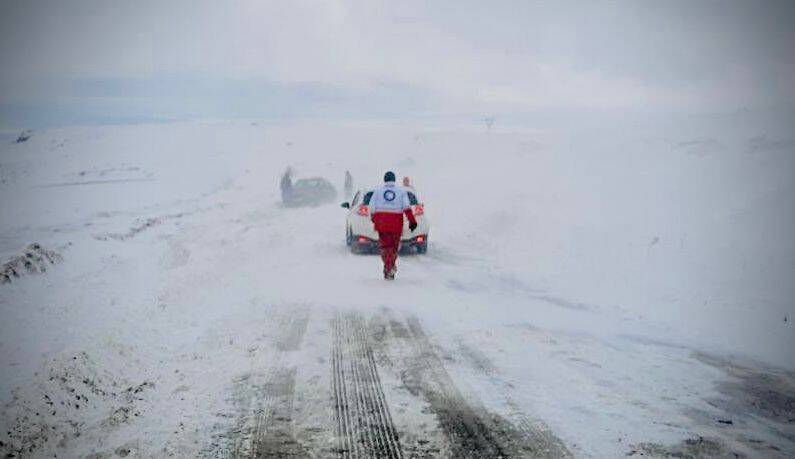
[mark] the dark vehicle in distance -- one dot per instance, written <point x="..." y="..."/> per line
<point x="306" y="192"/>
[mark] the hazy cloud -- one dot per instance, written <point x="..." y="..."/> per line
<point x="446" y="57"/>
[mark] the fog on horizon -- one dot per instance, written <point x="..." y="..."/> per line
<point x="96" y="62"/>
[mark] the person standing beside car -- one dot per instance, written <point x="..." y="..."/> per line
<point x="348" y="185"/>
<point x="286" y="185"/>
<point x="387" y="207"/>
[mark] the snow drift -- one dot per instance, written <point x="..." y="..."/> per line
<point x="589" y="266"/>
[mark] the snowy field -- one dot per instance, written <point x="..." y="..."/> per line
<point x="588" y="291"/>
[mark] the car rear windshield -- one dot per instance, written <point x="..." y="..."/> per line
<point x="412" y="198"/>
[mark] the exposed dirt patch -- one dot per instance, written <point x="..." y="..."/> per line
<point x="24" y="136"/>
<point x="763" y="392"/>
<point x="756" y="406"/>
<point x="142" y="225"/>
<point x="692" y="448"/>
<point x="70" y="397"/>
<point x="94" y="182"/>
<point x="34" y="260"/>
<point x="753" y="415"/>
<point x="136" y="229"/>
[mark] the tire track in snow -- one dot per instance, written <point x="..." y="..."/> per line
<point x="364" y="423"/>
<point x="291" y="330"/>
<point x="265" y="400"/>
<point x="273" y="436"/>
<point x="265" y="430"/>
<point x="470" y="430"/>
<point x="536" y="433"/>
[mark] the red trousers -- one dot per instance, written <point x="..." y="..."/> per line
<point x="389" y="243"/>
<point x="389" y="227"/>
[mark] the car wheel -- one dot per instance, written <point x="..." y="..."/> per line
<point x="348" y="237"/>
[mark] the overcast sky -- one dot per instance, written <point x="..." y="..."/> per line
<point x="100" y="59"/>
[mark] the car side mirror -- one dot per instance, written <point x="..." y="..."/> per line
<point x="345" y="205"/>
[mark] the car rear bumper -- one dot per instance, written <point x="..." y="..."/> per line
<point x="420" y="240"/>
<point x="366" y="244"/>
<point x="362" y="226"/>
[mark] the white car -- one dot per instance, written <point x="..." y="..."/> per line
<point x="360" y="234"/>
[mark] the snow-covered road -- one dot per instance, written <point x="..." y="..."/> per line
<point x="577" y="298"/>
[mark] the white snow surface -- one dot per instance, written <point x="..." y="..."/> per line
<point x="591" y="266"/>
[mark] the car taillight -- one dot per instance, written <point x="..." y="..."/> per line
<point x="362" y="210"/>
<point x="419" y="209"/>
<point x="420" y="238"/>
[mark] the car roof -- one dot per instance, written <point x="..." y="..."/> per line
<point x="312" y="179"/>
<point x="370" y="190"/>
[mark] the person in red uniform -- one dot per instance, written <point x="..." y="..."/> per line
<point x="387" y="207"/>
